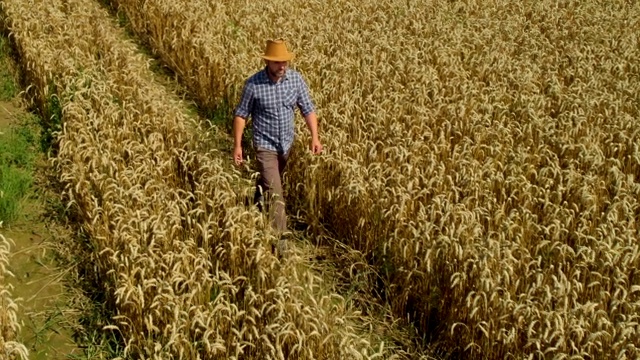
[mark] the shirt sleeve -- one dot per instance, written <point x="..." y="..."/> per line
<point x="246" y="102"/>
<point x="304" y="102"/>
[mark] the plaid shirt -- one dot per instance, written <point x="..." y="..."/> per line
<point x="272" y="105"/>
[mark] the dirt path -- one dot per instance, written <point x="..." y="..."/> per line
<point x="45" y="312"/>
<point x="39" y="259"/>
<point x="8" y="112"/>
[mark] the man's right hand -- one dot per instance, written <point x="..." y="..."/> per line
<point x="237" y="155"/>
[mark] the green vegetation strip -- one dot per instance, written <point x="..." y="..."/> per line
<point x="17" y="156"/>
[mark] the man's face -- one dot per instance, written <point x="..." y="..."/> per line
<point x="277" y="68"/>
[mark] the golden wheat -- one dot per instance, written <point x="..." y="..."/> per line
<point x="485" y="152"/>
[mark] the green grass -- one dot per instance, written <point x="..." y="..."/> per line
<point x="8" y="88"/>
<point x="51" y="124"/>
<point x="17" y="151"/>
<point x="17" y="161"/>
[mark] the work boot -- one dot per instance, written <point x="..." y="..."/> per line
<point x="258" y="200"/>
<point x="282" y="248"/>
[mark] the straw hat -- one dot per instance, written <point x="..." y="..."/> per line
<point x="276" y="50"/>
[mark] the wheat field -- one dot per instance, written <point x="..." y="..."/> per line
<point x="482" y="155"/>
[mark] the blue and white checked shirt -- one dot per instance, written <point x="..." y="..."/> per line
<point x="272" y="105"/>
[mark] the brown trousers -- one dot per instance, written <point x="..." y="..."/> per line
<point x="269" y="186"/>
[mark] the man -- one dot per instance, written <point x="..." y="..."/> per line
<point x="270" y="97"/>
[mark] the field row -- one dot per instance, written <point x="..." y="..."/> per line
<point x="185" y="266"/>
<point x="483" y="155"/>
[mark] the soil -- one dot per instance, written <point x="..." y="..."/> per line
<point x="8" y="112"/>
